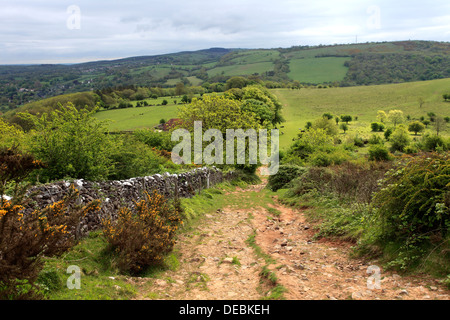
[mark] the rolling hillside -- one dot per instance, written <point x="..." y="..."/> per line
<point x="301" y="106"/>
<point x="340" y="65"/>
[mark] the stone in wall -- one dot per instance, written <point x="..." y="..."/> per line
<point x="120" y="193"/>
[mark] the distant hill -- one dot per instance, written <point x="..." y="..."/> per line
<point x="340" y="65"/>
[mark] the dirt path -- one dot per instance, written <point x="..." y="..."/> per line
<point x="217" y="262"/>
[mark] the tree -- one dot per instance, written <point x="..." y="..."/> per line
<point x="260" y="93"/>
<point x="346" y="118"/>
<point x="416" y="127"/>
<point x="421" y="102"/>
<point x="236" y="82"/>
<point x="381" y="116"/>
<point x="328" y="115"/>
<point x="185" y="99"/>
<point x="260" y="109"/>
<point x="439" y="124"/>
<point x="72" y="143"/>
<point x="180" y="89"/>
<point x="396" y="117"/>
<point x="344" y="127"/>
<point x="216" y="112"/>
<point x="375" y="126"/>
<point x="432" y="116"/>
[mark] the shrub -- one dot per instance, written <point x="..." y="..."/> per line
<point x="133" y="158"/>
<point x="412" y="149"/>
<point x="143" y="234"/>
<point x="399" y="139"/>
<point x="26" y="236"/>
<point x="375" y="139"/>
<point x="309" y="142"/>
<point x="414" y="200"/>
<point x="358" y="141"/>
<point x="328" y="125"/>
<point x="387" y="134"/>
<point x="72" y="143"/>
<point x="433" y="143"/>
<point x="314" y="179"/>
<point x="357" y="181"/>
<point x="378" y="152"/>
<point x="286" y="173"/>
<point x="377" y="127"/>
<point x="154" y="139"/>
<point x="325" y="159"/>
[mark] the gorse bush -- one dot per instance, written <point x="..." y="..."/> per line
<point x="27" y="236"/>
<point x="142" y="235"/>
<point x="415" y="197"/>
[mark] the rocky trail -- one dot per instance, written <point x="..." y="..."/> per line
<point x="225" y="256"/>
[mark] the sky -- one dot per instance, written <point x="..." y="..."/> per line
<point x="72" y="31"/>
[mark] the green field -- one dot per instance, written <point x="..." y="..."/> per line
<point x="137" y="118"/>
<point x="315" y="70"/>
<point x="238" y="70"/>
<point x="301" y="106"/>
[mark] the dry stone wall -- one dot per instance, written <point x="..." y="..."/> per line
<point x="117" y="194"/>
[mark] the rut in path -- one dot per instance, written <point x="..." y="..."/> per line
<point x="218" y="263"/>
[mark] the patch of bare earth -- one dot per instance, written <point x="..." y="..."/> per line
<point x="216" y="263"/>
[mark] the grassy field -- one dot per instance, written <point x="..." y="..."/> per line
<point x="301" y="106"/>
<point x="137" y="118"/>
<point x="237" y="70"/>
<point x="318" y="70"/>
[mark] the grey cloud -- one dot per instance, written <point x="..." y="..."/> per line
<point x="31" y="31"/>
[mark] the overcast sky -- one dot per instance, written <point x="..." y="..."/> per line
<point x="60" y="31"/>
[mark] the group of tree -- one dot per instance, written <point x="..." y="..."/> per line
<point x="377" y="68"/>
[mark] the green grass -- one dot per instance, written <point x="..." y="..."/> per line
<point x="301" y="106"/>
<point x="318" y="70"/>
<point x="245" y="69"/>
<point x="99" y="278"/>
<point x="130" y="119"/>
